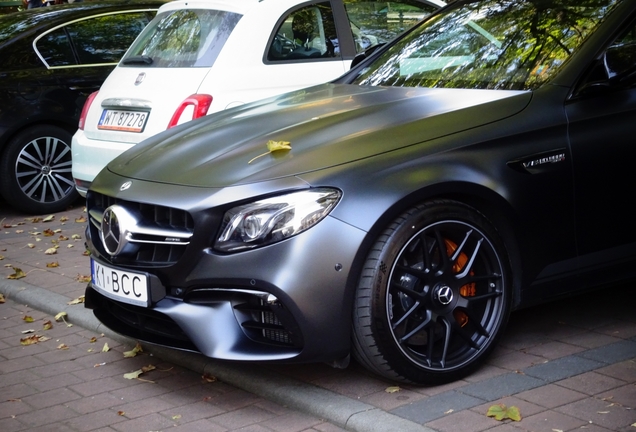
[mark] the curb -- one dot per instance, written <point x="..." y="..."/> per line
<point x="322" y="403"/>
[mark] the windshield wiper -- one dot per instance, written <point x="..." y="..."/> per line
<point x="142" y="59"/>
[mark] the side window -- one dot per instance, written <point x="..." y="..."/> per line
<point x="374" y="22"/>
<point x="55" y="49"/>
<point x="105" y="39"/>
<point x="97" y="40"/>
<point x="307" y="33"/>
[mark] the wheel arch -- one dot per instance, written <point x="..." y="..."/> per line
<point x="16" y="129"/>
<point x="487" y="201"/>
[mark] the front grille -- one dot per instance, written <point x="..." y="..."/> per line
<point x="151" y="251"/>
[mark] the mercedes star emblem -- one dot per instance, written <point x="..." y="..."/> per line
<point x="116" y="225"/>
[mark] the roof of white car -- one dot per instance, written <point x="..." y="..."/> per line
<point x="242" y="6"/>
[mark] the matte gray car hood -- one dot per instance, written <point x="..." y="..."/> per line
<point x="326" y="125"/>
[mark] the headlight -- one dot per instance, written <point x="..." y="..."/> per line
<point x="274" y="219"/>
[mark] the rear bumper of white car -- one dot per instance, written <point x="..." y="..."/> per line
<point x="90" y="156"/>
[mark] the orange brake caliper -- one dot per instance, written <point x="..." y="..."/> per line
<point x="468" y="290"/>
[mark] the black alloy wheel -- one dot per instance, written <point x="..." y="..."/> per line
<point x="434" y="295"/>
<point x="36" y="170"/>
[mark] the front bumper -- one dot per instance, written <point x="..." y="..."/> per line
<point x="290" y="301"/>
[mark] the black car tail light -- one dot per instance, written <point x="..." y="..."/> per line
<point x="87" y="106"/>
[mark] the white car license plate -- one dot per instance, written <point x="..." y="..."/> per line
<point x="125" y="286"/>
<point x="123" y="120"/>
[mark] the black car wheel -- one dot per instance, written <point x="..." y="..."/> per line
<point x="36" y="170"/>
<point x="434" y="295"/>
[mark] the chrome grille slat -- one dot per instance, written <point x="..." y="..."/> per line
<point x="162" y="236"/>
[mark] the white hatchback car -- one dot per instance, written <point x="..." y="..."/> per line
<point x="198" y="57"/>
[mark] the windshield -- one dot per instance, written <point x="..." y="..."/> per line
<point x="492" y="44"/>
<point x="182" y="38"/>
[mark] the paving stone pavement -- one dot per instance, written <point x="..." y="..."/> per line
<point x="568" y="365"/>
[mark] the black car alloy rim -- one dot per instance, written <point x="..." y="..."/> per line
<point x="445" y="299"/>
<point x="43" y="169"/>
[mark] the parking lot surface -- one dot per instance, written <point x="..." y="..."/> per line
<point x="568" y="365"/>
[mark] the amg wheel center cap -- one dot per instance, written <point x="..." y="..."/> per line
<point x="46" y="170"/>
<point x="443" y="294"/>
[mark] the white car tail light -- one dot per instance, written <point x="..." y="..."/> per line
<point x="87" y="105"/>
<point x="199" y="103"/>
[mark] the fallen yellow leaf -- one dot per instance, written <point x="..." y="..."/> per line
<point x="78" y="300"/>
<point x="30" y="340"/>
<point x="133" y="352"/>
<point x="28" y="318"/>
<point x="18" y="273"/>
<point x="392" y="389"/>
<point x="135" y="374"/>
<point x="62" y="347"/>
<point x="502" y="412"/>
<point x="49" y="218"/>
<point x="2" y="300"/>
<point x="51" y="251"/>
<point x="53" y="264"/>
<point x="208" y="378"/>
<point x="62" y="316"/>
<point x="106" y="348"/>
<point x="273" y="146"/>
<point x="48" y="325"/>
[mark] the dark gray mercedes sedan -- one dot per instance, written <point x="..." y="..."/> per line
<point x="479" y="163"/>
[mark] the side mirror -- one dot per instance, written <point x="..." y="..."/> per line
<point x="620" y="62"/>
<point x="616" y="68"/>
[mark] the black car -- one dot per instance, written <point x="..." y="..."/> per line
<point x="478" y="164"/>
<point x="51" y="59"/>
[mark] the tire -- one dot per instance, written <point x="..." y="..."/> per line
<point x="35" y="170"/>
<point x="434" y="295"/>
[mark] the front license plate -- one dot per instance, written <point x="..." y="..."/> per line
<point x="123" y="120"/>
<point x="125" y="286"/>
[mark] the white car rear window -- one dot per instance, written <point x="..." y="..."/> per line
<point x="182" y="38"/>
